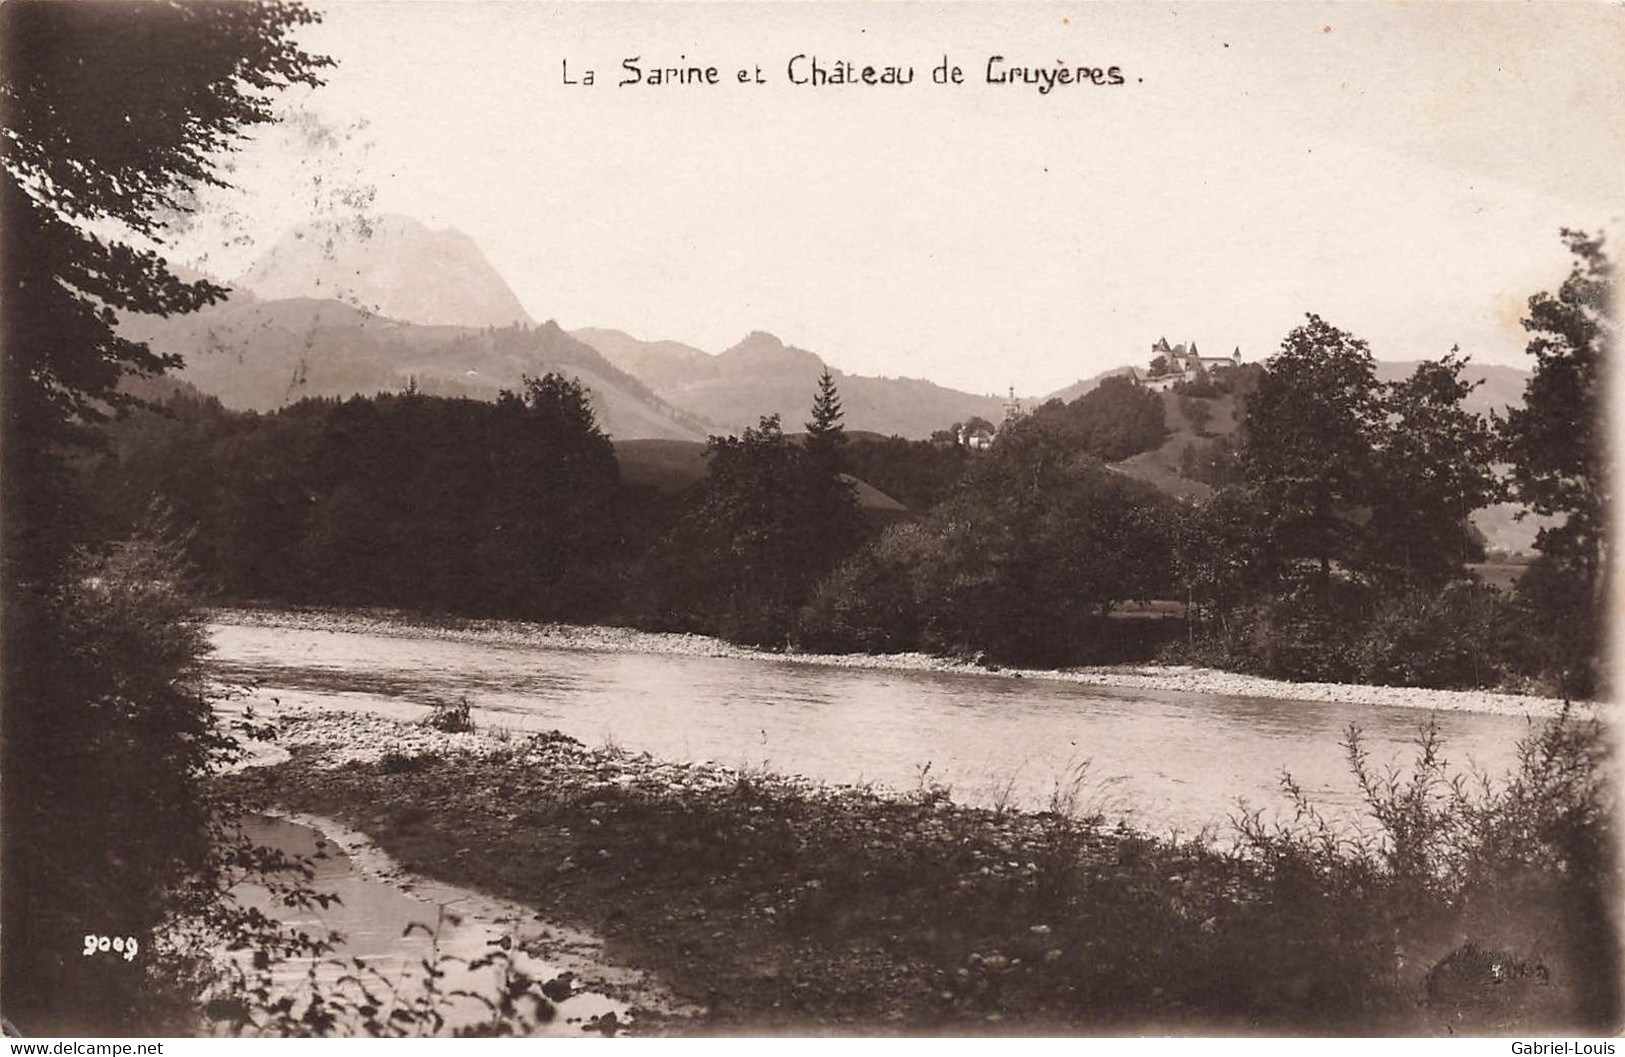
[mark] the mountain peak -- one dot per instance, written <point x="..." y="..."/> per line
<point x="761" y="350"/>
<point x="760" y="339"/>
<point x="391" y="264"/>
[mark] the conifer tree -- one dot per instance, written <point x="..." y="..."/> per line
<point x="826" y="435"/>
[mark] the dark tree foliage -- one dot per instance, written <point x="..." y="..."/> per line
<point x="1024" y="562"/>
<point x="1112" y="421"/>
<point x="552" y="521"/>
<point x="509" y="509"/>
<point x="1556" y="444"/>
<point x="826" y="436"/>
<point x="1220" y="556"/>
<point x="1555" y="440"/>
<point x="974" y="424"/>
<point x="917" y="473"/>
<point x="1432" y="471"/>
<point x="113" y="112"/>
<point x="1311" y="432"/>
<point x="741" y="561"/>
<point x="1063" y="541"/>
<point x="1376" y="484"/>
<point x="832" y="499"/>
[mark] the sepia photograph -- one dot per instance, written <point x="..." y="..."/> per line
<point x="809" y="520"/>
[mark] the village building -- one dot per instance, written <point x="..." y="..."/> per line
<point x="977" y="437"/>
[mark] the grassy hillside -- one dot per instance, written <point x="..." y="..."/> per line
<point x="1192" y="422"/>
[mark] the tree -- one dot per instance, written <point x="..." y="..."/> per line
<point x="1433" y="470"/>
<point x="1555" y="441"/>
<point x="752" y="533"/>
<point x="1311" y="430"/>
<point x="1217" y="556"/>
<point x="976" y="423"/>
<point x="1112" y="421"/>
<point x="113" y="113"/>
<point x="1034" y="549"/>
<point x="550" y="523"/>
<point x="826" y="436"/>
<point x="831" y="493"/>
<point x="1556" y="445"/>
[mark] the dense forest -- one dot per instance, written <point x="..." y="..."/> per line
<point x="1335" y="546"/>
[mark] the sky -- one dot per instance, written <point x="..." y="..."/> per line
<point x="1401" y="169"/>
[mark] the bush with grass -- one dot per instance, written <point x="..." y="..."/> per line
<point x="1489" y="905"/>
<point x="452" y="717"/>
<point x="1454" y="637"/>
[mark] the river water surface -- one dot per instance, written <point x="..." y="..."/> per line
<point x="393" y="926"/>
<point x="1165" y="760"/>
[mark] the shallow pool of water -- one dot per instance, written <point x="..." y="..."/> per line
<point x="393" y="930"/>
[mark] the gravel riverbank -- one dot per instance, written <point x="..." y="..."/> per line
<point x="598" y="638"/>
<point x="771" y="903"/>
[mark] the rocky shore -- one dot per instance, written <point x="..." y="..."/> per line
<point x="600" y="638"/>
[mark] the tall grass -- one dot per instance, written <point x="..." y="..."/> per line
<point x="1492" y="903"/>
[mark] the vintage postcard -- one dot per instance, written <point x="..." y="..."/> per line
<point x="828" y="519"/>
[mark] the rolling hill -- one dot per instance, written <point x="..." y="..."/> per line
<point x="659" y="364"/>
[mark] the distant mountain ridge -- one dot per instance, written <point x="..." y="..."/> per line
<point x="375" y="303"/>
<point x="260" y="355"/>
<point x="391" y="265"/>
<point x="1499" y="387"/>
<point x="761" y="375"/>
<point x="657" y="363"/>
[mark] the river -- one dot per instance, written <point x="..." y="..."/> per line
<point x="394" y="925"/>
<point x="1163" y="760"/>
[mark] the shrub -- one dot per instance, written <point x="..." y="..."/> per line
<point x="1197" y="411"/>
<point x="112" y="738"/>
<point x="1449" y="638"/>
<point x="450" y="717"/>
<point x="1304" y="632"/>
<point x="866" y="605"/>
<point x="1492" y="904"/>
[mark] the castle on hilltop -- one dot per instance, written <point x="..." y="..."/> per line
<point x="1171" y="365"/>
